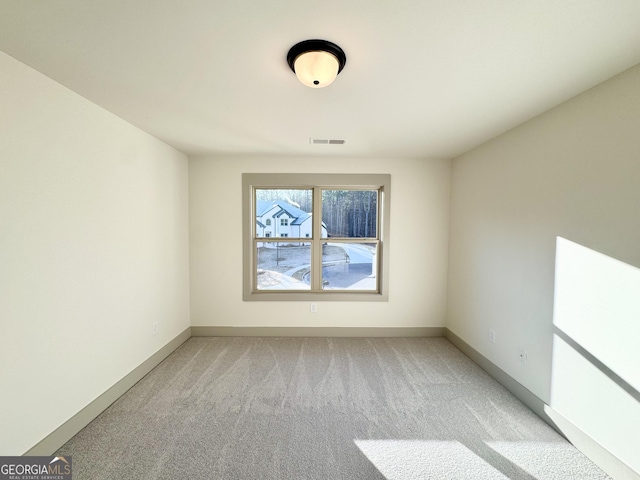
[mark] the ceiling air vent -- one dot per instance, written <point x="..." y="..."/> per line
<point x="326" y="141"/>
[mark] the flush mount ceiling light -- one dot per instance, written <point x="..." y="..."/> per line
<point x="316" y="63"/>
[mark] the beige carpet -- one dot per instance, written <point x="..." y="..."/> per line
<point x="321" y="408"/>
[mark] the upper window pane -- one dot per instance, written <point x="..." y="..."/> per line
<point x="284" y="213"/>
<point x="350" y="213"/>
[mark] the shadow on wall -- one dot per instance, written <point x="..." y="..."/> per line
<point x="596" y="360"/>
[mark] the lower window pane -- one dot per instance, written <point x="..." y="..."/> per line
<point x="349" y="266"/>
<point x="283" y="265"/>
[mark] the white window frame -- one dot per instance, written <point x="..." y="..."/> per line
<point x="317" y="182"/>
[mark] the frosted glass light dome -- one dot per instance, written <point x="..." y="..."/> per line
<point x="316" y="69"/>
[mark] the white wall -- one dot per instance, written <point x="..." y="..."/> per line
<point x="571" y="172"/>
<point x="418" y="241"/>
<point x="93" y="250"/>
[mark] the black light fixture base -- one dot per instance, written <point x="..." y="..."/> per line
<point x="315" y="46"/>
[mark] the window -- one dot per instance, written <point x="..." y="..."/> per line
<point x="268" y="222"/>
<point x="336" y="247"/>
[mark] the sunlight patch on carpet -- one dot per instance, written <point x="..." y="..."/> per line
<point x="547" y="459"/>
<point x="418" y="459"/>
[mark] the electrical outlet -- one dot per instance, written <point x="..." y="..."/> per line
<point x="314" y="308"/>
<point x="522" y="356"/>
<point x="155" y="328"/>
<point x="492" y="336"/>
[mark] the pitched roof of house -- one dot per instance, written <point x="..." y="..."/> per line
<point x="299" y="216"/>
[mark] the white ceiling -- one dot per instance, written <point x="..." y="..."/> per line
<point x="424" y="78"/>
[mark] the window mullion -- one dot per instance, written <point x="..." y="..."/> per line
<point x="316" y="251"/>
